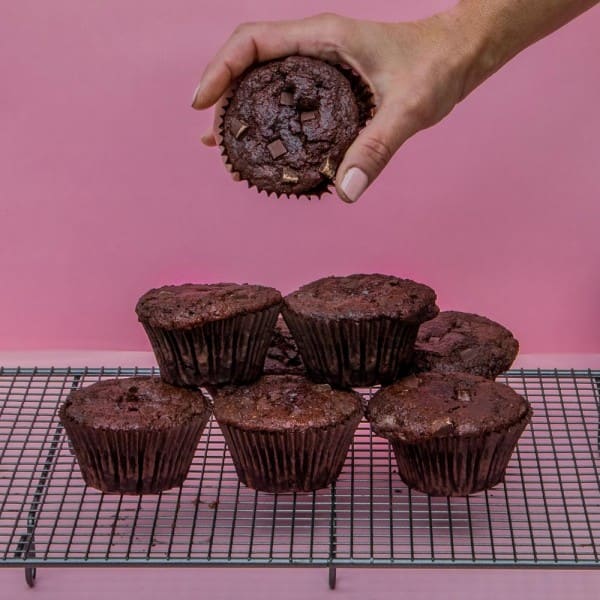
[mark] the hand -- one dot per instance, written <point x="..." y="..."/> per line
<point x="417" y="72"/>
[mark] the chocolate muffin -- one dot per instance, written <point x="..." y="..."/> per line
<point x="358" y="330"/>
<point x="286" y="434"/>
<point x="289" y="123"/>
<point x="135" y="435"/>
<point x="452" y="434"/>
<point x="209" y="333"/>
<point x="283" y="357"/>
<point x="463" y="342"/>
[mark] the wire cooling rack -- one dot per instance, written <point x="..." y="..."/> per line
<point x="545" y="514"/>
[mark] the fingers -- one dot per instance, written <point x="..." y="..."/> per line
<point x="211" y="137"/>
<point x="372" y="150"/>
<point x="321" y="36"/>
<point x="208" y="138"/>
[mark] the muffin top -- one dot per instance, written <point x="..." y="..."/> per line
<point x="364" y="297"/>
<point x="429" y="405"/>
<point x="289" y="123"/>
<point x="193" y="304"/>
<point x="133" y="403"/>
<point x="287" y="402"/>
<point x="463" y="342"/>
<point x="283" y="356"/>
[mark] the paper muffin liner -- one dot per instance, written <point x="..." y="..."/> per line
<point x="220" y="352"/>
<point x="288" y="460"/>
<point x="366" y="107"/>
<point x="457" y="466"/>
<point x="135" y="461"/>
<point x="346" y="353"/>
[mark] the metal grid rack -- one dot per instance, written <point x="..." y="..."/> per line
<point x="545" y="514"/>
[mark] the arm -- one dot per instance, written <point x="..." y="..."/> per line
<point x="418" y="71"/>
<point x="503" y="28"/>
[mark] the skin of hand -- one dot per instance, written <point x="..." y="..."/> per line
<point x="418" y="71"/>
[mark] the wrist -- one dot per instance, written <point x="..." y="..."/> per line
<point x="484" y="39"/>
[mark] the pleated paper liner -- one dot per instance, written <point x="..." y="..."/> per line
<point x="290" y="460"/>
<point x="366" y="107"/>
<point x="353" y="353"/>
<point x="134" y="461"/>
<point x="227" y="351"/>
<point x="455" y="465"/>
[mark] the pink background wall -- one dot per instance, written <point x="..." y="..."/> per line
<point x="106" y="191"/>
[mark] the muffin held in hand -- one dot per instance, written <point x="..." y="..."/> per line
<point x="136" y="435"/>
<point x="358" y="330"/>
<point x="209" y="333"/>
<point x="289" y="123"/>
<point x="459" y="342"/>
<point x="286" y="434"/>
<point x="452" y="434"/>
<point x="283" y="357"/>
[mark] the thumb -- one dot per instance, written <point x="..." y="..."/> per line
<point x="371" y="151"/>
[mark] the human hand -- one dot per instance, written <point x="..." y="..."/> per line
<point x="415" y="70"/>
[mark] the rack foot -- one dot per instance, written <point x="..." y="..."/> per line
<point x="332" y="578"/>
<point x="30" y="574"/>
<point x="26" y="549"/>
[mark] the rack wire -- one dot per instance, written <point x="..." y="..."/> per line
<point x="545" y="514"/>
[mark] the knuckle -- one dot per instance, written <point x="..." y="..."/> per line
<point x="244" y="28"/>
<point x="334" y="26"/>
<point x="377" y="151"/>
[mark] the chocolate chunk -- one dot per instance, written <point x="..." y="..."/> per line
<point x="287" y="99"/>
<point x="277" y="148"/>
<point x="310" y="115"/>
<point x="289" y="176"/>
<point x="238" y="128"/>
<point x="327" y="168"/>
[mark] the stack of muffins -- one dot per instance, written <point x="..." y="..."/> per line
<point x="285" y="129"/>
<point x="283" y="388"/>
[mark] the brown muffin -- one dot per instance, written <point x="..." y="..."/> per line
<point x="289" y="123"/>
<point x="209" y="333"/>
<point x="283" y="357"/>
<point x="452" y="434"/>
<point x="135" y="435"/>
<point x="459" y="342"/>
<point x="286" y="434"/>
<point x="358" y="330"/>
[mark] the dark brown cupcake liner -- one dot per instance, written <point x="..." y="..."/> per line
<point x="219" y="352"/>
<point x="134" y="461"/>
<point x="366" y="107"/>
<point x="288" y="460"/>
<point x="457" y="466"/>
<point x="346" y="353"/>
<point x="363" y="93"/>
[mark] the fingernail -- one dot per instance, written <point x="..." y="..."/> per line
<point x="196" y="92"/>
<point x="208" y="138"/>
<point x="354" y="183"/>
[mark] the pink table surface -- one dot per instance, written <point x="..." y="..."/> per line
<point x="290" y="583"/>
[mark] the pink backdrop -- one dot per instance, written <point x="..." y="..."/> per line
<point x="106" y="190"/>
